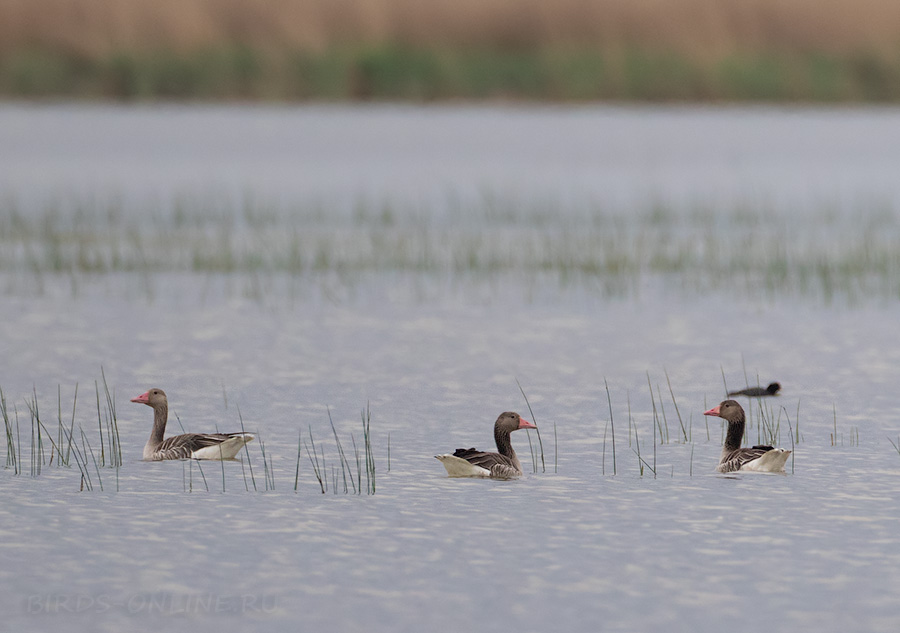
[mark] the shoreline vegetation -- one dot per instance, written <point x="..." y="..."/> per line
<point x="573" y="50"/>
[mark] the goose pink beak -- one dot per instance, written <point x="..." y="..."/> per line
<point x="713" y="411"/>
<point x="525" y="424"/>
<point x="144" y="398"/>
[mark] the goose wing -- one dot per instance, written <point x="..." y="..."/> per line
<point x="487" y="460"/>
<point x="736" y="459"/>
<point x="183" y="446"/>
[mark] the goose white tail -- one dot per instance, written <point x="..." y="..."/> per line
<point x="459" y="467"/>
<point x="770" y="462"/>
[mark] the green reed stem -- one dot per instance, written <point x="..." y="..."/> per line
<point x="537" y="431"/>
<point x="611" y="424"/>
<point x="247" y="452"/>
<point x="299" y="449"/>
<point x="675" y="402"/>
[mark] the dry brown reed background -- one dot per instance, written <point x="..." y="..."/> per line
<point x="852" y="42"/>
<point x="701" y="29"/>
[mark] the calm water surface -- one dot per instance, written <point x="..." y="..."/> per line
<point x="794" y="159"/>
<point x="575" y="548"/>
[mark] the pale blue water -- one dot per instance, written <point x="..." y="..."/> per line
<point x="436" y="360"/>
<point x="794" y="158"/>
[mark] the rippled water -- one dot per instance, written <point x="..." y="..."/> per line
<point x="575" y="548"/>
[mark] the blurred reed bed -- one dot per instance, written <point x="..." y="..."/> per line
<point x="852" y="255"/>
<point x="826" y="50"/>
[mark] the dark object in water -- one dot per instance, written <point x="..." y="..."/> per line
<point x="758" y="392"/>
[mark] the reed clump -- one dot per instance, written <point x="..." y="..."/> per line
<point x="350" y="476"/>
<point x="43" y="450"/>
<point x="826" y="50"/>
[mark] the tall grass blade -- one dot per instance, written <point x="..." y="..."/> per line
<point x="268" y="472"/>
<point x="662" y="410"/>
<point x="18" y="433"/>
<point x="531" y="453"/>
<point x="37" y="444"/>
<point x="555" y="450"/>
<point x="80" y="461"/>
<point x="611" y="424"/>
<point x="222" y="463"/>
<point x="100" y="426"/>
<point x="314" y="460"/>
<point x="11" y="455"/>
<point x="896" y="444"/>
<point x="367" y="447"/>
<point x="324" y="467"/>
<point x="46" y="432"/>
<point x="299" y="449"/>
<point x="654" y="425"/>
<point x="90" y="450"/>
<point x="72" y="425"/>
<point x="834" y="434"/>
<point x="674" y="402"/>
<point x="791" y="431"/>
<point x="359" y="463"/>
<point x="247" y="453"/>
<point x="59" y="432"/>
<point x="345" y="465"/>
<point x="603" y="459"/>
<point x="115" y="443"/>
<point x="200" y="468"/>
<point x="537" y="430"/>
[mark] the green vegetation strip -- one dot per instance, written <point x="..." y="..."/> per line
<point x="391" y="72"/>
